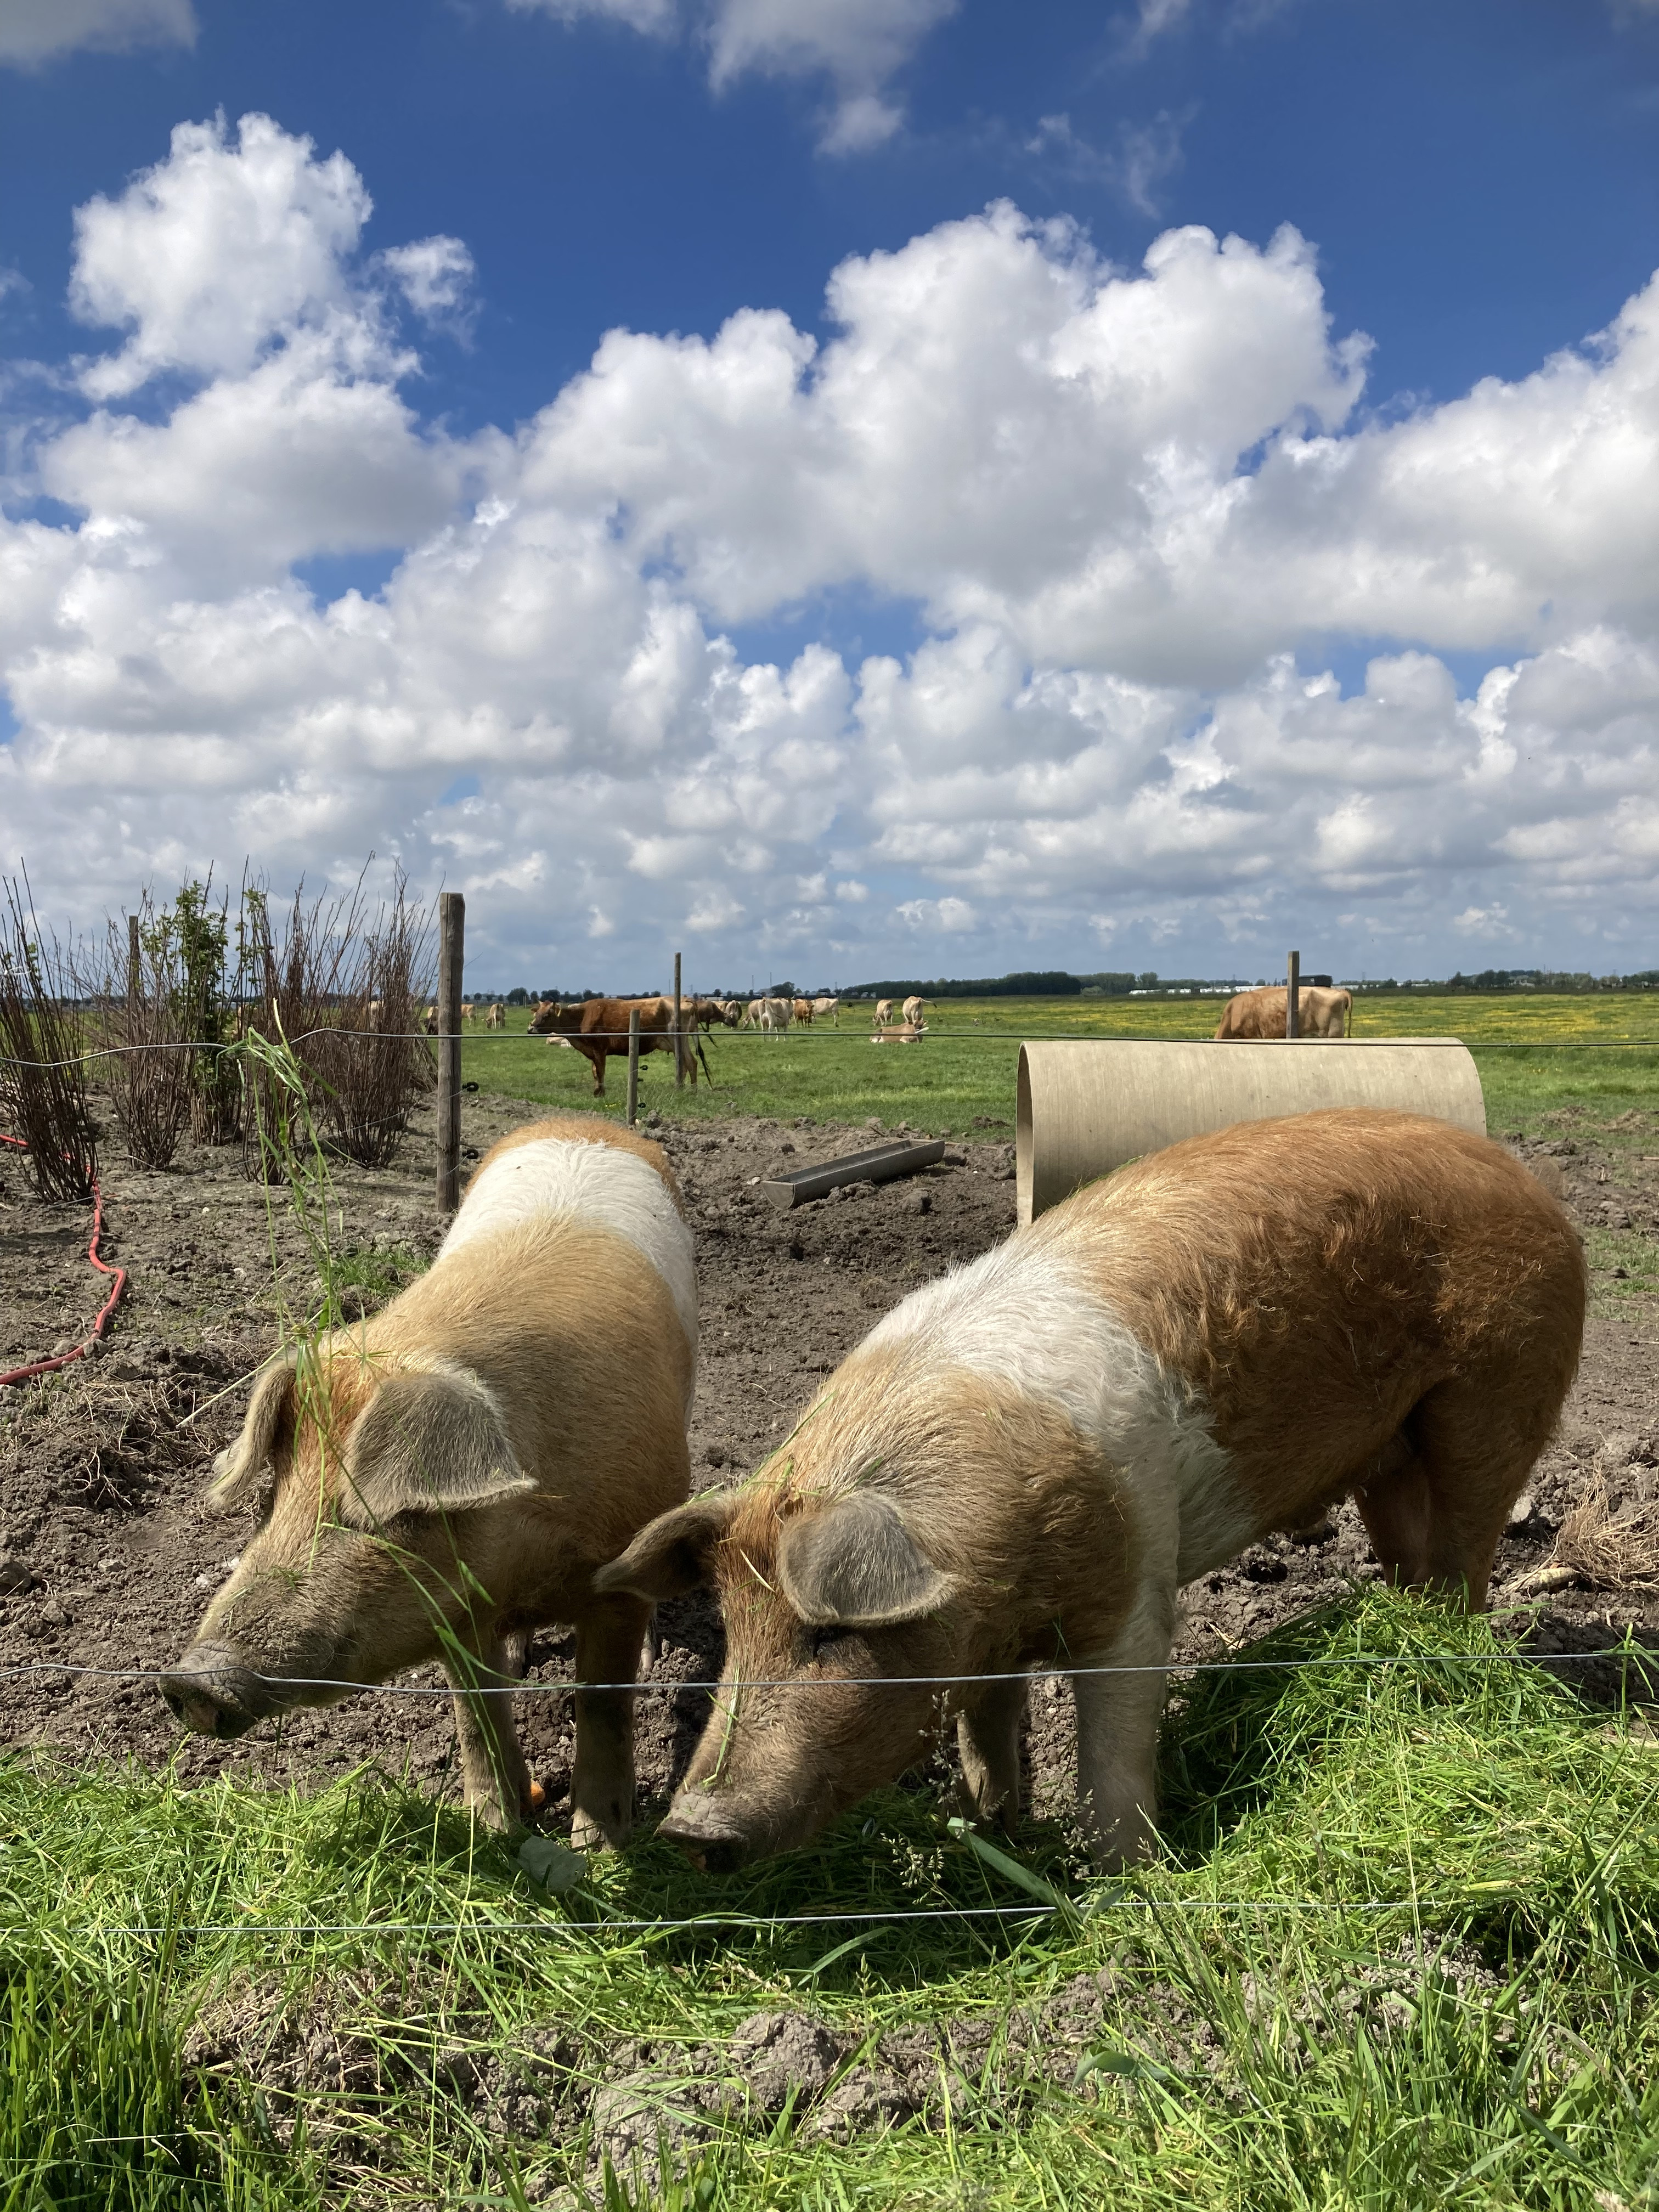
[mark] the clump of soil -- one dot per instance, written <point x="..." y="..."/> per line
<point x="108" y="1551"/>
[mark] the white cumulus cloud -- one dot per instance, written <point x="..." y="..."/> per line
<point x="856" y="46"/>
<point x="36" y="31"/>
<point x="434" y="276"/>
<point x="213" y="252"/>
<point x="1141" y="514"/>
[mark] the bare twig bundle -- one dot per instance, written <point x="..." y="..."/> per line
<point x="135" y="1007"/>
<point x="344" y="985"/>
<point x="43" y="1089"/>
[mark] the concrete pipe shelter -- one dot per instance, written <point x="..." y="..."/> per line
<point x="1087" y="1106"/>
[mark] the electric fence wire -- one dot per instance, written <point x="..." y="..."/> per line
<point x="1631" y="1653"/>
<point x="844" y="1036"/>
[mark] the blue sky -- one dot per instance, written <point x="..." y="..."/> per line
<point x="1033" y="604"/>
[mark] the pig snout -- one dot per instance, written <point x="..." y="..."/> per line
<point x="713" y="1833"/>
<point x="216" y="1693"/>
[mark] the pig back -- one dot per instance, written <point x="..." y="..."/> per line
<point x="580" y="1340"/>
<point x="1308" y="1280"/>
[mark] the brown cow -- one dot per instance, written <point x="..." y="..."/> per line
<point x="597" y="1029"/>
<point x="1261" y="1013"/>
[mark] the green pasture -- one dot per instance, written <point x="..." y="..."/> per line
<point x="1401" y="1952"/>
<point x="1539" y="1057"/>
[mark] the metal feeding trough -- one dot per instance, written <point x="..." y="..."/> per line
<point x="881" y="1164"/>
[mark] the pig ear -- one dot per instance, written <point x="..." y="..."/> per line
<point x="240" y="1469"/>
<point x="673" y="1553"/>
<point x="428" y="1443"/>
<point x="857" y="1565"/>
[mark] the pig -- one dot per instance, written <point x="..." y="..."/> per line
<point x="442" y="1480"/>
<point x="1024" y="1461"/>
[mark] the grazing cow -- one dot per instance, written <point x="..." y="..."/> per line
<point x="496" y="1018"/>
<point x="466" y="1013"/>
<point x="1026" y="1459"/>
<point x="707" y="1014"/>
<point x="884" y="1012"/>
<point x="597" y="1029"/>
<point x="441" y="1481"/>
<point x="803" y="1012"/>
<point x="821" y="1007"/>
<point x="1261" y="1013"/>
<point x="914" y="1011"/>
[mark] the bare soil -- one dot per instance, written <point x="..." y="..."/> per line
<point x="108" y="1553"/>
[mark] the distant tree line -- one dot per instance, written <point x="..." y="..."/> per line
<point x="1491" y="980"/>
<point x="1120" y="984"/>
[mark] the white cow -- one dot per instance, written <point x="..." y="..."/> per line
<point x="823" y="1007"/>
<point x="884" y="1012"/>
<point x="775" y="1015"/>
<point x="914" y="1010"/>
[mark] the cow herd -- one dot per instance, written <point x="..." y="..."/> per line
<point x="1020" y="1467"/>
<point x="492" y="1017"/>
<point x="597" y="1029"/>
<point x="1262" y="1013"/>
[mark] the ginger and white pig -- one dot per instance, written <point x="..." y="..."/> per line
<point x="1027" y="1459"/>
<point x="442" y="1480"/>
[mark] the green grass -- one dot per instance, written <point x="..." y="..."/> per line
<point x="1486" y="2039"/>
<point x="1530" y="1052"/>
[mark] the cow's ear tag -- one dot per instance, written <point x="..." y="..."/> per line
<point x="857" y="1565"/>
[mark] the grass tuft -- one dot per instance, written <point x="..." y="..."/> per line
<point x="1400" y="1949"/>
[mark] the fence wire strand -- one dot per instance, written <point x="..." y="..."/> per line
<point x="1633" y="1654"/>
<point x="1068" y="1909"/>
<point x="830" y="1038"/>
<point x="756" y="1923"/>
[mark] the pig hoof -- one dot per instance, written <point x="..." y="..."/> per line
<point x="997" y="1814"/>
<point x="588" y="1833"/>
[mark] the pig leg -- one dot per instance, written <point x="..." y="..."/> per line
<point x="1451" y="1476"/>
<point x="1117" y="1724"/>
<point x="608" y="1642"/>
<point x="495" y="1780"/>
<point x="988" y="1736"/>
<point x="1394" y="1504"/>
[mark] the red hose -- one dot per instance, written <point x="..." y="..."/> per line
<point x="46" y="1366"/>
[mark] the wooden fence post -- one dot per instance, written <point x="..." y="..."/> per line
<point x="679" y="1041"/>
<point x="632" y="1064"/>
<point x="451" y="936"/>
<point x="1293" y="995"/>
